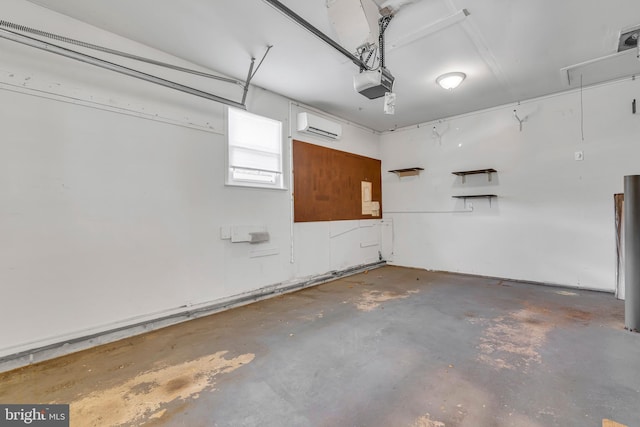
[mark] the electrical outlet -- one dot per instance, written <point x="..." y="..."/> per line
<point x="578" y="156"/>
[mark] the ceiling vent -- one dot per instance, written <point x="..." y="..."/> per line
<point x="629" y="38"/>
<point x="320" y="126"/>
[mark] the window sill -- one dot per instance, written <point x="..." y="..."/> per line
<point x="254" y="186"/>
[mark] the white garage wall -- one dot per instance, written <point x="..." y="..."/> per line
<point x="554" y="219"/>
<point x="112" y="196"/>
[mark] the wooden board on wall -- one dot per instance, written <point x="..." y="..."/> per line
<point x="327" y="183"/>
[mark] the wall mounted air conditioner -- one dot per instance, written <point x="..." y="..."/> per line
<point x="320" y="126"/>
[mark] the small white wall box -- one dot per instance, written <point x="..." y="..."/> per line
<point x="259" y="237"/>
<point x="249" y="233"/>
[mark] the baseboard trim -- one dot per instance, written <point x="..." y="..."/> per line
<point x="506" y="279"/>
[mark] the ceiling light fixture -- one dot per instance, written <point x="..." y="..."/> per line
<point x="451" y="80"/>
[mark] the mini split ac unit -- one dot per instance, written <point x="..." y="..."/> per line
<point x="320" y="126"/>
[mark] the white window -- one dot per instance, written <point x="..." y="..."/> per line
<point x="255" y="150"/>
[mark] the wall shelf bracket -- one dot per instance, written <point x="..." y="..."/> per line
<point x="463" y="174"/>
<point x="407" y="172"/>
<point x="476" y="196"/>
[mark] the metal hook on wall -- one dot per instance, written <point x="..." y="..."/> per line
<point x="520" y="121"/>
<point x="437" y="134"/>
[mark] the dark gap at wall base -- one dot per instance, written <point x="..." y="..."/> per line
<point x="147" y="326"/>
<point x="529" y="282"/>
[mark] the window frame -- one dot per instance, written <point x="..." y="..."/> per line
<point x="232" y="181"/>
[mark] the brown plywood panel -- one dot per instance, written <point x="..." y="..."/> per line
<point x="328" y="183"/>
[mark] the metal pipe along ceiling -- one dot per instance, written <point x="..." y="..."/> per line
<point x="78" y="56"/>
<point x="25" y="29"/>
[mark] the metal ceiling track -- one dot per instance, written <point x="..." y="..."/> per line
<point x="322" y="36"/>
<point x="88" y="59"/>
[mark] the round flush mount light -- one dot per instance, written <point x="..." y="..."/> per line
<point x="450" y="80"/>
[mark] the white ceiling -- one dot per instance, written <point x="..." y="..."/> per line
<point x="511" y="50"/>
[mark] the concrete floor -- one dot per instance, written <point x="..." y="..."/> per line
<point x="393" y="347"/>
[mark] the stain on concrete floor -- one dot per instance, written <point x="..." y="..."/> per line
<point x="512" y="341"/>
<point x="610" y="423"/>
<point x="145" y="396"/>
<point x="371" y="299"/>
<point x="426" y="421"/>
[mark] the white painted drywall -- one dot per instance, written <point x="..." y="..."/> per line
<point x="112" y="196"/>
<point x="554" y="219"/>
